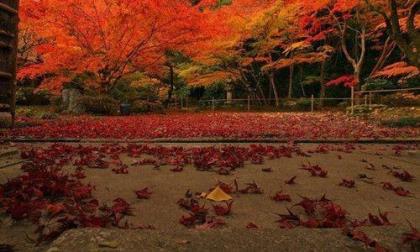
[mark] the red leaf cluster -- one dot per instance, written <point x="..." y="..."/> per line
<point x="222" y="210"/>
<point x="348" y="183"/>
<point x="280" y="196"/>
<point x="291" y="181"/>
<point x="381" y="220"/>
<point x="403" y="176"/>
<point x="399" y="190"/>
<point x="205" y="125"/>
<point x="144" y="193"/>
<point x="315" y="170"/>
<point x="412" y="236"/>
<point x="251" y="188"/>
<point x="358" y="235"/>
<point x="251" y="226"/>
<point x="321" y="213"/>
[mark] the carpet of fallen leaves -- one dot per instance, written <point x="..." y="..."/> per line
<point x="56" y="199"/>
<point x="226" y="125"/>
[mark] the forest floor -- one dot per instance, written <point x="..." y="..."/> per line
<point x="368" y="165"/>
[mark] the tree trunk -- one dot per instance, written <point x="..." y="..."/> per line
<point x="301" y="81"/>
<point x="171" y="86"/>
<point x="274" y="88"/>
<point x="322" y="80"/>
<point x="289" y="95"/>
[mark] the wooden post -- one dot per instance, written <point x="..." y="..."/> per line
<point x="249" y="103"/>
<point x="366" y="100"/>
<point x="370" y="100"/>
<point x="312" y="103"/>
<point x="352" y="100"/>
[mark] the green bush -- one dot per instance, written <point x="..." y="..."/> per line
<point x="378" y="84"/>
<point x="147" y="107"/>
<point x="365" y="109"/>
<point x="401" y="100"/>
<point x="402" y="122"/>
<point x="216" y="91"/>
<point x="25" y="111"/>
<point x="303" y="104"/>
<point x="99" y="105"/>
<point x="28" y="96"/>
<point x="49" y="116"/>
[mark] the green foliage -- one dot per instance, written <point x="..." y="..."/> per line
<point x="401" y="100"/>
<point x="148" y="92"/>
<point x="365" y="109"/>
<point x="100" y="105"/>
<point x="402" y="122"/>
<point x="142" y="107"/>
<point x="124" y="92"/>
<point x="49" y="116"/>
<point x="216" y="91"/>
<point x="25" y="111"/>
<point x="79" y="81"/>
<point x="413" y="83"/>
<point x="303" y="104"/>
<point x="28" y="96"/>
<point x="378" y="84"/>
<point x="182" y="92"/>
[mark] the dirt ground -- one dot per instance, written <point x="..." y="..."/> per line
<point x="163" y="213"/>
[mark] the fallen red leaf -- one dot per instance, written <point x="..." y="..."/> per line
<point x="291" y="181"/>
<point x="279" y="196"/>
<point x="144" y="193"/>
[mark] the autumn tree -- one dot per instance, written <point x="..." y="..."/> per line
<point x="400" y="19"/>
<point x="111" y="38"/>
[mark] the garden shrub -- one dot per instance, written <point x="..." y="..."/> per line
<point x="402" y="122"/>
<point x="216" y="91"/>
<point x="147" y="107"/>
<point x="28" y="96"/>
<point x="49" y="116"/>
<point x="365" y="109"/>
<point x="303" y="104"/>
<point x="25" y="111"/>
<point x="378" y="84"/>
<point x="401" y="100"/>
<point x="99" y="105"/>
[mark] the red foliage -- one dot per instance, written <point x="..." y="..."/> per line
<point x="380" y="220"/>
<point x="123" y="169"/>
<point x="412" y="236"/>
<point x="400" y="191"/>
<point x="203" y="125"/>
<point x="252" y="188"/>
<point x="291" y="181"/>
<point x="279" y="196"/>
<point x="144" y="193"/>
<point x="404" y="176"/>
<point x="315" y="170"/>
<point x="347" y="183"/>
<point x="345" y="80"/>
<point x="222" y="210"/>
<point x="251" y="226"/>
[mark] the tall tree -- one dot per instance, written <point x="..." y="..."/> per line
<point x="113" y="38"/>
<point x="402" y="28"/>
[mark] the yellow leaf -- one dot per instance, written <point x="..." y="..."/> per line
<point x="218" y="195"/>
